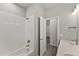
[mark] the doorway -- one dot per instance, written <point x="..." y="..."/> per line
<point x="51" y="37"/>
<point x="48" y="36"/>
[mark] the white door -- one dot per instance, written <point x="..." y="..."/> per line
<point x="53" y="32"/>
<point x="42" y="35"/>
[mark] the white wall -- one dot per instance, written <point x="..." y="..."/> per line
<point x="29" y="28"/>
<point x="37" y="11"/>
<point x="12" y="8"/>
<point x="66" y="19"/>
<point x="12" y="28"/>
<point x="12" y="33"/>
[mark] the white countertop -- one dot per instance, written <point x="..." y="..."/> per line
<point x="68" y="48"/>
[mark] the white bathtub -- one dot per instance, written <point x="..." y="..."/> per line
<point x="22" y="52"/>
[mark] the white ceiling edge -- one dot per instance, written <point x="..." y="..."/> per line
<point x="65" y="7"/>
<point x="24" y="5"/>
<point x="46" y="5"/>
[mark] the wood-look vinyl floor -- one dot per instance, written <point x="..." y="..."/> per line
<point x="50" y="50"/>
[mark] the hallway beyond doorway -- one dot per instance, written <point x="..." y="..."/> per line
<point x="50" y="50"/>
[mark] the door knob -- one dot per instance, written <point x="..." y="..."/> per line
<point x="41" y="39"/>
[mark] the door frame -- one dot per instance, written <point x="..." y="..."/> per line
<point x="57" y="18"/>
<point x="38" y="36"/>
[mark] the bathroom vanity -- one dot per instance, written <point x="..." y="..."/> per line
<point x="68" y="48"/>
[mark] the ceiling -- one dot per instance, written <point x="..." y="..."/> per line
<point x="24" y="5"/>
<point x="46" y="5"/>
<point x="65" y="7"/>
